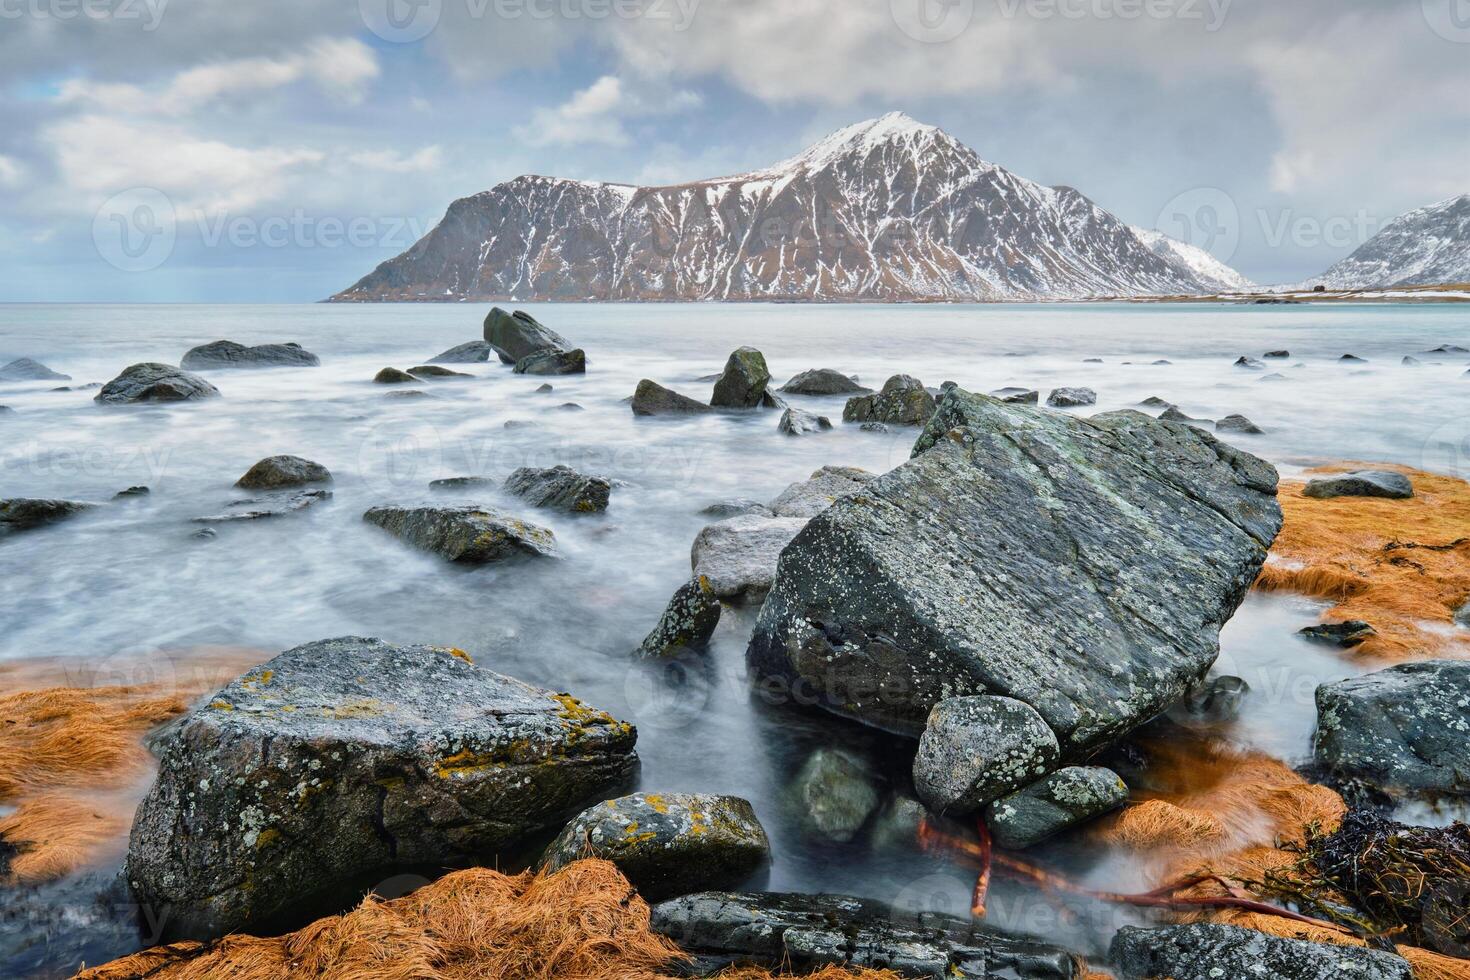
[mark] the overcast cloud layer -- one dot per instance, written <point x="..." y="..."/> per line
<point x="218" y="150"/>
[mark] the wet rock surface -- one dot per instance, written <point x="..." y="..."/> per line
<point x="1059" y="802"/>
<point x="652" y="398"/>
<point x="1216" y="952"/>
<point x="28" y="513"/>
<point x="473" y="535"/>
<point x="903" y="401"/>
<point x="1071" y="397"/>
<point x="1361" y="483"/>
<point x="812" y="496"/>
<point x="668" y="844"/>
<point x="795" y="422"/>
<point x="1351" y="633"/>
<point x="263" y="508"/>
<point x="1238" y="424"/>
<point x="225" y="354"/>
<point x="978" y="749"/>
<point x="553" y="362"/>
<point x="151" y="382"/>
<point x="743" y="382"/>
<point x="835" y="793"/>
<point x="474" y="352"/>
<point x="434" y="372"/>
<point x="823" y="381"/>
<point x="688" y="621"/>
<point x="560" y="488"/>
<point x="393" y="376"/>
<point x="1404" y="730"/>
<point x="462" y="483"/>
<point x="29" y="369"/>
<point x="516" y="335"/>
<point x="277" y="472"/>
<point x="353" y="756"/>
<point x="738" y="555"/>
<point x="735" y="508"/>
<point x="1017" y="396"/>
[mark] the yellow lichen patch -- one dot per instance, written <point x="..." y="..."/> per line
<point x="1402" y="566"/>
<point x="467" y="763"/>
<point x="358" y="708"/>
<point x="459" y="654"/>
<point x="266" y="838"/>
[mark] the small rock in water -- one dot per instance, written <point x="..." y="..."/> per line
<point x="408" y="393"/>
<point x="1352" y="359"/>
<point x="688" y="621"/>
<point x="560" y="488"/>
<point x="738" y="555"/>
<point x="667" y="844"/>
<point x="1348" y="634"/>
<point x="1361" y="483"/>
<point x="259" y="509"/>
<point x="975" y="750"/>
<point x="473" y="535"/>
<point x="1274" y="377"/>
<point x="652" y="398"/>
<point x="1250" y="364"/>
<point x="553" y="362"/>
<point x="874" y="427"/>
<point x="520" y="424"/>
<point x="1238" y="423"/>
<point x="205" y="534"/>
<point x="824" y="381"/>
<point x="152" y="382"/>
<point x="795" y="422"/>
<point x="433" y="372"/>
<point x="1161" y="363"/>
<point x="393" y="376"/>
<point x="835" y="794"/>
<point x="1276" y="354"/>
<point x="139" y="491"/>
<point x="570" y="407"/>
<point x="743" y="382"/>
<point x="545" y="389"/>
<point x="1411" y="361"/>
<point x="1217" y="699"/>
<point x="1448" y="349"/>
<point x="1172" y="414"/>
<point x="1017" y="396"/>
<point x="277" y="472"/>
<point x="224" y="354"/>
<point x="474" y="352"/>
<point x="26" y="369"/>
<point x="1071" y="397"/>
<point x="903" y="401"/>
<point x="1220" y="952"/>
<point x="1059" y="802"/>
<point x="1092" y="360"/>
<point x="1154" y="401"/>
<point x="462" y="483"/>
<point x="27" y="513"/>
<point x="6" y="410"/>
<point x="735" y="508"/>
<point x="516" y="335"/>
<point x="823" y="488"/>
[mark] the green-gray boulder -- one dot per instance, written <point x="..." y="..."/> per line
<point x="473" y="535"/>
<point x="743" y="383"/>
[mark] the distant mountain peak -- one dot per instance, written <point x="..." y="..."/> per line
<point x="1429" y="246"/>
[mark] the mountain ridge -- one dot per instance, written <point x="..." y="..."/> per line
<point x="1428" y="246"/>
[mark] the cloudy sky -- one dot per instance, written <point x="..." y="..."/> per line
<point x="280" y="149"/>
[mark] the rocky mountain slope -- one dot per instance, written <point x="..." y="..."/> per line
<point x="1205" y="267"/>
<point x="1426" y="247"/>
<point x="886" y="210"/>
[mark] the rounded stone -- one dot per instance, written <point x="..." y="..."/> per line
<point x="977" y="749"/>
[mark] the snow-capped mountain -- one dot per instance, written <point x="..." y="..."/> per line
<point x="887" y="210"/>
<point x="1205" y="267"/>
<point x="1427" y="247"/>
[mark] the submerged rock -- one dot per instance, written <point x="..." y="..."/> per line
<point x="1071" y="397"/>
<point x="433" y="372"/>
<point x="667" y="844"/>
<point x="835" y="794"/>
<point x="795" y="422"/>
<point x="560" y="488"/>
<point x="1250" y="364"/>
<point x="1173" y="414"/>
<point x="743" y="382"/>
<point x="474" y="535"/>
<point x="28" y="513"/>
<point x="652" y="398"/>
<point x="263" y="508"/>
<point x="739" y="555"/>
<point x="1240" y="424"/>
<point x="1082" y="566"/>
<point x="688" y="621"/>
<point x="1404" y="730"/>
<point x="735" y="508"/>
<point x="515" y="335"/>
<point x="812" y="496"/>
<point x="553" y="362"/>
<point x="1277" y="354"/>
<point x="805" y="932"/>
<point x="1059" y="802"/>
<point x="1216" y="699"/>
<point x="1352" y="359"/>
<point x="474" y="352"/>
<point x="26" y="369"/>
<point x="393" y="376"/>
<point x="277" y="472"/>
<point x="350" y="758"/>
<point x="151" y="382"/>
<point x="1361" y="483"/>
<point x="1219" y="952"/>
<point x="1017" y="396"/>
<point x="903" y="401"/>
<point x="461" y="483"/>
<point x="224" y="354"/>
<point x="823" y="381"/>
<point x="1351" y="633"/>
<point x="978" y="749"/>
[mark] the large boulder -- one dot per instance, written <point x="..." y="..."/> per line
<point x="224" y="354"/>
<point x="473" y="535"/>
<point x="738" y="555"/>
<point x="652" y="398"/>
<point x="1360" y="483"/>
<point x="667" y="844"/>
<point x="802" y="933"/>
<point x="553" y="362"/>
<point x="1082" y="566"/>
<point x="279" y="472"/>
<point x="27" y="513"/>
<point x="474" y="352"/>
<point x="743" y="383"/>
<point x="26" y="369"/>
<point x="903" y="401"/>
<point x="812" y="496"/>
<point x="342" y="760"/>
<point x="1404" y="730"/>
<point x="978" y="749"/>
<point x="1059" y="802"/>
<point x="151" y="382"/>
<point x="560" y="488"/>
<point x="1219" y="952"/>
<point x="515" y="335"/>
<point x="688" y="621"/>
<point x="823" y="381"/>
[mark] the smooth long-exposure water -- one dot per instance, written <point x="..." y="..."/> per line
<point x="130" y="585"/>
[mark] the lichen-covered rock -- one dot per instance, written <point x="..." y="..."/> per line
<point x="823" y="381"/>
<point x="27" y="369"/>
<point x="978" y="749"/>
<point x="277" y="472"/>
<point x="151" y="382"/>
<point x="553" y="362"/>
<point x="903" y="401"/>
<point x="393" y="376"/>
<point x="739" y="555"/>
<point x="1404" y="730"/>
<point x="560" y="488"/>
<point x="433" y="372"/>
<point x="795" y="422"/>
<point x="801" y="933"/>
<point x="687" y="623"/>
<point x="223" y="354"/>
<point x="474" y="535"/>
<point x="474" y="352"/>
<point x="812" y="496"/>
<point x="735" y="507"/>
<point x="27" y="513"/>
<point x="1361" y="483"/>
<point x="1083" y="566"/>
<point x="834" y="794"/>
<point x="343" y="760"/>
<point x="1059" y="802"/>
<point x="652" y="398"/>
<point x="515" y="335"/>
<point x="1071" y="397"/>
<point x="1218" y="952"/>
<point x="743" y="383"/>
<point x="667" y="844"/>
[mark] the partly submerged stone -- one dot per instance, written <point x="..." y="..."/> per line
<point x="393" y="376"/>
<point x="1404" y="730"/>
<point x="652" y="398"/>
<point x="978" y="749"/>
<point x="795" y="422"/>
<point x="434" y="372"/>
<point x="1017" y="396"/>
<point x="688" y="621"/>
<point x="1059" y="802"/>
<point x="739" y="555"/>
<point x="824" y="381"/>
<point x="462" y="483"/>
<point x="151" y="382"/>
<point x="474" y="535"/>
<point x="834" y="793"/>
<point x="735" y="507"/>
<point x="560" y="488"/>
<point x="474" y="352"/>
<point x="1220" y="952"/>
<point x="667" y="844"/>
<point x="1082" y="566"/>
<point x="515" y="335"/>
<point x="812" y="496"/>
<point x="1239" y="424"/>
<point x="224" y="354"/>
<point x="277" y="472"/>
<point x="1071" y="397"/>
<point x="1360" y="483"/>
<point x="553" y="362"/>
<point x="264" y="508"/>
<point x="340" y="761"/>
<point x="1347" y="634"/>
<point x="743" y="382"/>
<point x="27" y="369"/>
<point x="28" y="513"/>
<point x="903" y="401"/>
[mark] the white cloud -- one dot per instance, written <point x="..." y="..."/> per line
<point x="12" y="175"/>
<point x="388" y="161"/>
<point x="598" y="113"/>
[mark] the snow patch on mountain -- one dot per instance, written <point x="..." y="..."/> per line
<point x="1425" y="247"/>
<point x="1204" y="266"/>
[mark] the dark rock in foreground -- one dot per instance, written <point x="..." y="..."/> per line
<point x="823" y="381"/>
<point x="668" y="844"/>
<point x="652" y="398"/>
<point x="474" y="352"/>
<point x="515" y="335"/>
<point x="1404" y="730"/>
<point x="224" y="354"/>
<point x="350" y="758"/>
<point x="903" y="401"/>
<point x="553" y="362"/>
<point x="27" y="513"/>
<point x="1217" y="952"/>
<point x="277" y="472"/>
<point x="978" y="749"/>
<point x="26" y="369"/>
<point x="474" y="535"/>
<point x="393" y="376"/>
<point x="739" y="555"/>
<point x="743" y="382"/>
<point x="1361" y="483"/>
<point x="795" y="422"/>
<point x="151" y="382"/>
<point x="805" y="932"/>
<point x="560" y="488"/>
<point x="1350" y="633"/>
<point x="688" y="621"/>
<point x="1059" y="802"/>
<point x="1082" y="566"/>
